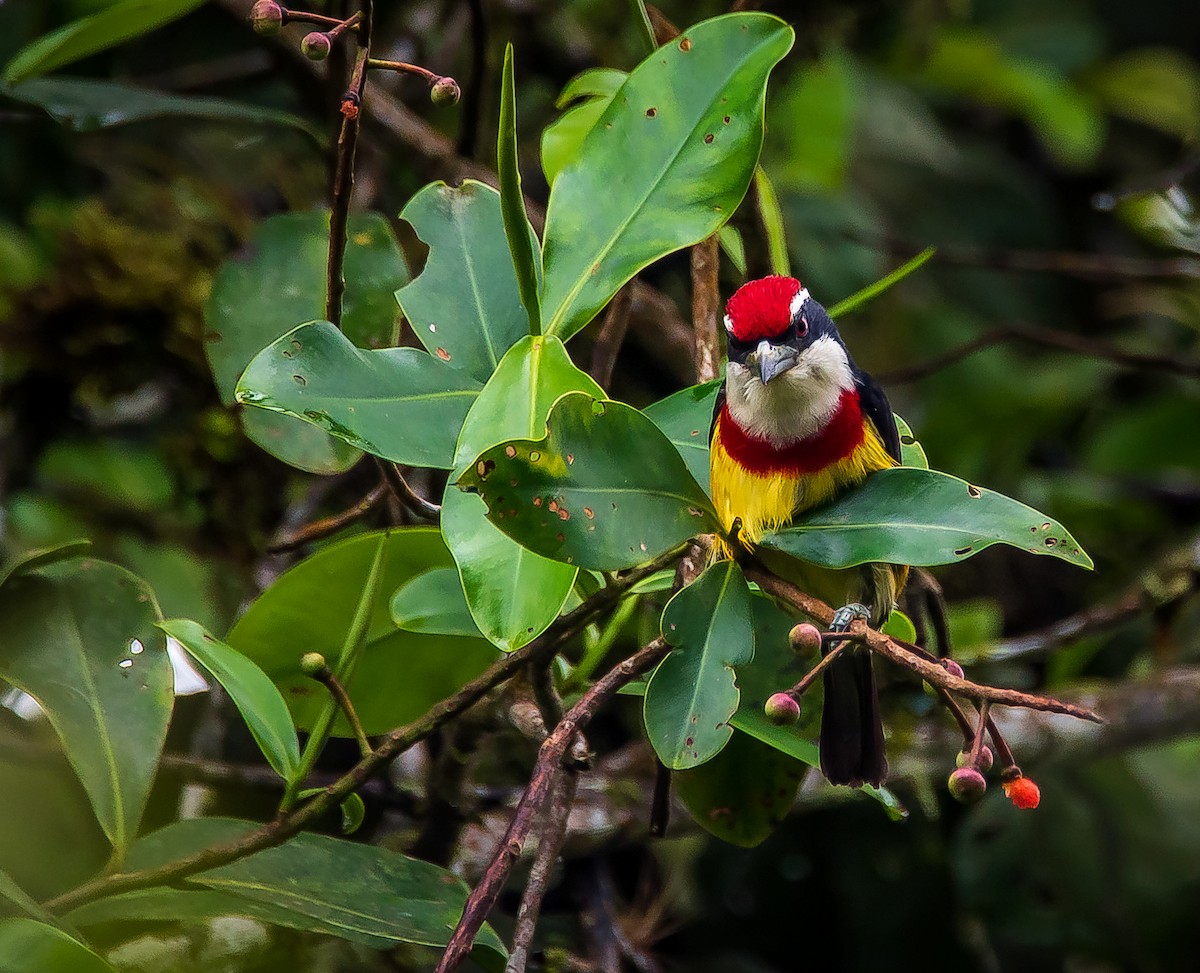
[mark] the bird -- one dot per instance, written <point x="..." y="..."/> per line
<point x="795" y="425"/>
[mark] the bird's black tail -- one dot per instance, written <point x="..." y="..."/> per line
<point x="851" y="741"/>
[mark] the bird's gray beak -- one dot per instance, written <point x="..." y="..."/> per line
<point x="774" y="360"/>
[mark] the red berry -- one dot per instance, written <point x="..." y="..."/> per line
<point x="782" y="709"/>
<point x="1023" y="792"/>
<point x="316" y="46"/>
<point x="953" y="668"/>
<point x="266" y="17"/>
<point x="805" y="638"/>
<point x="967" y="785"/>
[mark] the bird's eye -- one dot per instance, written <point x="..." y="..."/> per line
<point x="802" y="326"/>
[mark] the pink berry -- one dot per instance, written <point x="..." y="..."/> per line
<point x="782" y="709"/>
<point x="316" y="46"/>
<point x="967" y="785"/>
<point x="805" y="638"/>
<point x="266" y="17"/>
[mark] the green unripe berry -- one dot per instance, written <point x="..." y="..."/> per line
<point x="266" y="17"/>
<point x="782" y="710"/>
<point x="966" y="785"/>
<point x="445" y="91"/>
<point x="316" y="46"/>
<point x="311" y="663"/>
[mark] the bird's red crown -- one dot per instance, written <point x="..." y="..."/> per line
<point x="761" y="308"/>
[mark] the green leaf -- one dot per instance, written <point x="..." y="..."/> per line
<point x="512" y="592"/>
<point x="255" y="696"/>
<point x="604" y="489"/>
<point x="434" y="603"/>
<point x="32" y="560"/>
<point x="465" y="306"/>
<point x="104" y="29"/>
<point x="899" y="626"/>
<point x="354" y="812"/>
<point x="733" y="246"/>
<point x="80" y="638"/>
<point x="29" y="946"/>
<point x="772" y="219"/>
<point x="743" y="793"/>
<point x="17" y="896"/>
<point x="871" y="291"/>
<point x="920" y="517"/>
<point x="693" y="692"/>
<point x="363" y="893"/>
<point x="398" y="403"/>
<point x="524" y="252"/>
<point x="694" y="111"/>
<point x="562" y="139"/>
<point x="277" y="282"/>
<point x="1156" y="86"/>
<point x="310" y="609"/>
<point x="88" y="104"/>
<point x="685" y="418"/>
<point x="912" y="453"/>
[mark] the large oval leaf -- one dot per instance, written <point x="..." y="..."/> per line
<point x="465" y="306"/>
<point x="79" y="637"/>
<point x="276" y="282"/>
<point x="694" y="692"/>
<point x="363" y="893"/>
<point x="512" y="592"/>
<point x="920" y="517"/>
<point x="399" y="675"/>
<point x="398" y="403"/>
<point x="27" y="945"/>
<point x="665" y="165"/>
<point x="685" y="418"/>
<point x="252" y="692"/>
<point x="604" y="489"/>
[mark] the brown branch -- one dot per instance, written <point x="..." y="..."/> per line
<point x="319" y="529"/>
<point x="611" y="336"/>
<point x="319" y="20"/>
<point x="541" y="784"/>
<point x="1046" y="338"/>
<point x="904" y="657"/>
<point x="706" y="309"/>
<point x="407" y="496"/>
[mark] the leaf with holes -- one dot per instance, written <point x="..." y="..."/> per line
<point x="604" y="489"/>
<point x="276" y="282"/>
<point x="465" y="306"/>
<point x="663" y="167"/>
<point x="399" y="675"/>
<point x="912" y="453"/>
<point x="79" y="636"/>
<point x="398" y="403"/>
<point x="693" y="692"/>
<point x="685" y="419"/>
<point x="920" y="517"/>
<point x="252" y="692"/>
<point x="513" y="593"/>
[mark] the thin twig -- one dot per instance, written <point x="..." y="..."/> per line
<point x="827" y="660"/>
<point x="326" y="677"/>
<point x="319" y="20"/>
<point x="660" y="803"/>
<point x="611" y="336"/>
<point x="322" y="528"/>
<point x="406" y="494"/>
<point x="706" y="309"/>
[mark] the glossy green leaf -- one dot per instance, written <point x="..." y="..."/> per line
<point x="743" y="793"/>
<point x="733" y="246"/>
<point x="604" y="489"/>
<point x="398" y="403"/>
<point x="665" y="165"/>
<point x="899" y="626"/>
<point x="562" y="139"/>
<point x="79" y="637"/>
<point x="252" y="692"/>
<point x="106" y="28"/>
<point x="277" y="282"/>
<point x="29" y="946"/>
<point x="465" y="306"/>
<point x="693" y="692"/>
<point x="32" y="560"/>
<point x="685" y="418"/>
<point x="772" y="220"/>
<point x="524" y="252"/>
<point x="361" y="892"/>
<point x="513" y="593"/>
<point x="912" y="453"/>
<point x="920" y="517"/>
<point x="88" y="104"/>
<point x="872" y="291"/>
<point x="434" y="603"/>
<point x="310" y="609"/>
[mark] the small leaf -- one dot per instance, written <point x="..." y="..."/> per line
<point x="398" y="403"/>
<point x="17" y="896"/>
<point x="693" y="109"/>
<point x="693" y="692"/>
<point x="79" y="637"/>
<point x="465" y="306"/>
<point x="743" y="793"/>
<point x="604" y="489"/>
<point x="32" y="560"/>
<point x="512" y="592"/>
<point x="525" y="256"/>
<point x="107" y="28"/>
<point x="434" y="603"/>
<point x="563" y="138"/>
<point x="354" y="812"/>
<point x="29" y="946"/>
<point x="685" y="418"/>
<point x="311" y="607"/>
<point x="920" y="517"/>
<point x="899" y="626"/>
<point x="872" y="291"/>
<point x="912" y="453"/>
<point x="88" y="104"/>
<point x="772" y="219"/>
<point x="252" y="692"/>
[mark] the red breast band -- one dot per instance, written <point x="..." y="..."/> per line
<point x="843" y="434"/>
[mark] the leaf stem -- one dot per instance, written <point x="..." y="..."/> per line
<point x="325" y="676"/>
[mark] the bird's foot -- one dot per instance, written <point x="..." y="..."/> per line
<point x="846" y="615"/>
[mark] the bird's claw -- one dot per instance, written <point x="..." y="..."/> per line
<point x="845" y="616"/>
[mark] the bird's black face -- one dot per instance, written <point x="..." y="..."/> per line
<point x="772" y="357"/>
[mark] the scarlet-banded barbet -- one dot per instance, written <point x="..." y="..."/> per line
<point x="796" y="424"/>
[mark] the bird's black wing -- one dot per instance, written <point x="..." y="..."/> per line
<point x="875" y="404"/>
<point x="720" y="401"/>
